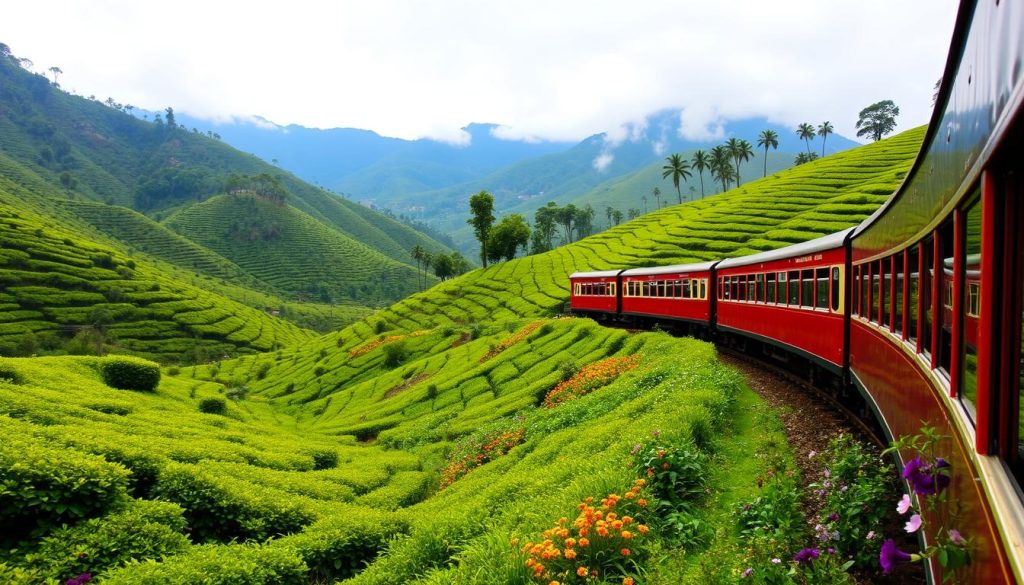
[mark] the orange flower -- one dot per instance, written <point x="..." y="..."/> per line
<point x="554" y="583"/>
<point x="665" y="465"/>
<point x="641" y="502"/>
<point x="627" y="534"/>
<point x="642" y="528"/>
<point x="617" y="525"/>
<point x="570" y="542"/>
<point x="625" y="552"/>
<point x="627" y="519"/>
<point x="514" y="541"/>
<point x="582" y="571"/>
<point x="628" y="581"/>
<point x="570" y="554"/>
<point x="602" y="531"/>
<point x="584" y="542"/>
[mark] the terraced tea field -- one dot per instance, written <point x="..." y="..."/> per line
<point x="58" y="285"/>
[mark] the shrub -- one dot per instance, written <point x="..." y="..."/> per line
<point x="261" y="372"/>
<point x="9" y="374"/>
<point x="144" y="530"/>
<point x="129" y="373"/>
<point x="42" y="487"/>
<point x="240" y="564"/>
<point x="173" y="371"/>
<point x="213" y="406"/>
<point x="220" y="509"/>
<point x="394" y="354"/>
<point x="325" y="459"/>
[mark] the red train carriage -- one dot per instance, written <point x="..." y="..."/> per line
<point x="595" y="291"/>
<point x="936" y="301"/>
<point x="791" y="297"/>
<point x="680" y="292"/>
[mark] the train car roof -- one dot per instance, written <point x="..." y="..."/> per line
<point x="829" y="242"/>
<point x="674" y="269"/>
<point x="596" y="274"/>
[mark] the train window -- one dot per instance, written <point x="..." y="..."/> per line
<point x="821" y="301"/>
<point x="927" y="284"/>
<point x="721" y="287"/>
<point x="897" y="296"/>
<point x="770" y="287"/>
<point x="887" y="292"/>
<point x="971" y="277"/>
<point x="807" y="288"/>
<point x="836" y="289"/>
<point x="855" y="297"/>
<point x="875" y="292"/>
<point x="794" y="288"/>
<point x="703" y="288"/>
<point x="912" y="293"/>
<point x="760" y="288"/>
<point x="741" y="290"/>
<point x="734" y="288"/>
<point x="944" y="321"/>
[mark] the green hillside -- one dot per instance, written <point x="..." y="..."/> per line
<point x="62" y="291"/>
<point x="69" y="147"/>
<point x="292" y="251"/>
<point x="451" y="438"/>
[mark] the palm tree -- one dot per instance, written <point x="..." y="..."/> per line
<point x="657" y="197"/>
<point x="677" y="168"/>
<point x="741" y="151"/>
<point x="765" y="139"/>
<point x="644" y="198"/>
<point x="609" y="213"/>
<point x="806" y="133"/>
<point x="721" y="166"/>
<point x="419" y="255"/>
<point x="824" y="130"/>
<point x="700" y="161"/>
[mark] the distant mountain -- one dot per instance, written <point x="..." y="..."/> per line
<point x="370" y="166"/>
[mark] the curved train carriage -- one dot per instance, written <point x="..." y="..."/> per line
<point x="917" y="312"/>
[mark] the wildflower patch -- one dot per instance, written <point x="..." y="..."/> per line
<point x="512" y="340"/>
<point x="475" y="453"/>
<point x="589" y="378"/>
<point x="372" y="345"/>
<point x="603" y="544"/>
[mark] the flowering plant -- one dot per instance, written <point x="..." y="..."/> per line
<point x="928" y="476"/>
<point x="589" y="378"/>
<point x="603" y="542"/>
<point x="479" y="450"/>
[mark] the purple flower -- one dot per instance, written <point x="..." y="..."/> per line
<point x="833" y="517"/>
<point x="807" y="554"/>
<point x="890" y="556"/>
<point x="748" y="572"/>
<point x="80" y="580"/>
<point x="827" y="473"/>
<point x="955" y="537"/>
<point x="831" y="551"/>
<point x="926" y="479"/>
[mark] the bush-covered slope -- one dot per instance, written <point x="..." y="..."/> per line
<point x="292" y="251"/>
<point x="791" y="206"/>
<point x="62" y="291"/>
<point x="82" y="148"/>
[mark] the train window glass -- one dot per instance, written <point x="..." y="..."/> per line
<point x="865" y="291"/>
<point x="703" y="288"/>
<point x="769" y="287"/>
<point x="912" y="293"/>
<point x="836" y="289"/>
<point x="734" y="288"/>
<point x="807" y="288"/>
<point x="944" y="350"/>
<point x="927" y="284"/>
<point x="897" y="297"/>
<point x="887" y="291"/>
<point x="822" y="283"/>
<point x="794" y="288"/>
<point x="969" y="321"/>
<point x="875" y="290"/>
<point x="721" y="287"/>
<point x="741" y="288"/>
<point x="855" y="297"/>
<point x="760" y="288"/>
<point x="694" y="286"/>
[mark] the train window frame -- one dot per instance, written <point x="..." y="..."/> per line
<point x="885" y="298"/>
<point x="944" y="337"/>
<point x="822" y="284"/>
<point x="855" y="292"/>
<point x="967" y="386"/>
<point x="865" y="292"/>
<point x="873" y="298"/>
<point x="770" y="287"/>
<point x="898" y="293"/>
<point x="836" y="283"/>
<point x="807" y="295"/>
<point x="926" y="298"/>
<point x="793" y="288"/>
<point x="913" y="294"/>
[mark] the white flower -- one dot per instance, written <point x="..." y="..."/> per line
<point x="914" y="524"/>
<point x="904" y="504"/>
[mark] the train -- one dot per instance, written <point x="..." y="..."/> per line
<point x="914" y="316"/>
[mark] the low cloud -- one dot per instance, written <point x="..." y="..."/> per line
<point x="601" y="161"/>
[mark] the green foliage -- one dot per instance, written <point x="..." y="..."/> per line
<point x="213" y="406"/>
<point x="877" y="120"/>
<point x="42" y="487"/>
<point x="240" y="564"/>
<point x="144" y="530"/>
<point x="394" y="354"/>
<point x="127" y="373"/>
<point x="325" y="459"/>
<point x="10" y="374"/>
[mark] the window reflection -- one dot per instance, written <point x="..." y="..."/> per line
<point x="971" y="283"/>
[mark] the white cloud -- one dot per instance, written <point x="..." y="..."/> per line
<point x="559" y="70"/>
<point x="601" y="161"/>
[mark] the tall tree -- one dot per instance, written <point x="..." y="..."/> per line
<point x="806" y="133"/>
<point x="878" y="119"/>
<point x="701" y="161"/>
<point x="721" y="166"/>
<point x="585" y="221"/>
<point x="171" y="124"/>
<point x="644" y="199"/>
<point x="56" y="71"/>
<point x="824" y="129"/>
<point x="617" y="216"/>
<point x="609" y="212"/>
<point x="764" y="140"/>
<point x="444" y="268"/>
<point x="633" y="213"/>
<point x="657" y="197"/>
<point x="678" y="168"/>
<point x="805" y="157"/>
<point x="741" y="151"/>
<point x="419" y="254"/>
<point x="545" y="224"/>
<point x="510" y="234"/>
<point x="481" y="206"/>
<point x="566" y="216"/>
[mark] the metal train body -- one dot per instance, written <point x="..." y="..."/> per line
<point x="915" y="315"/>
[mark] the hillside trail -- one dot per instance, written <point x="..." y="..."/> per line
<point x="809" y="424"/>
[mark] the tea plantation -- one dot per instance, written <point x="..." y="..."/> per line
<point x="463" y="435"/>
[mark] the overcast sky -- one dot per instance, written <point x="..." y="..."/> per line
<point x="542" y="68"/>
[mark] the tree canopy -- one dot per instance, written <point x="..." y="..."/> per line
<point x="510" y="234"/>
<point x="481" y="206"/>
<point x="877" y="120"/>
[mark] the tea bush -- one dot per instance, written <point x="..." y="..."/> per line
<point x="213" y="406"/>
<point x="127" y="373"/>
<point x="239" y="564"/>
